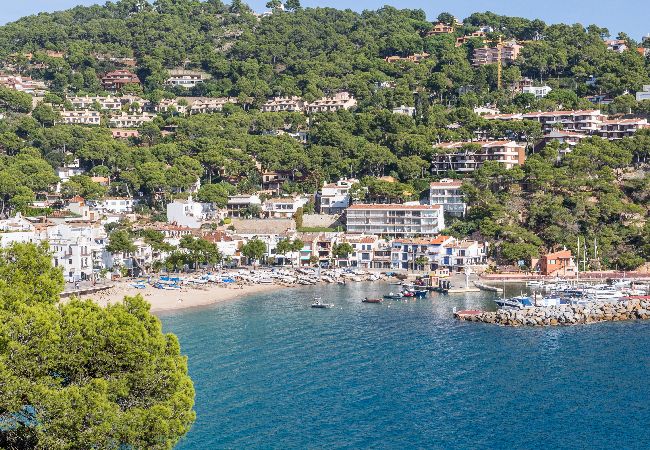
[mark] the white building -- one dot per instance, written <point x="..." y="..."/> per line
<point x="395" y="220"/>
<point x="185" y="78"/>
<point x="126" y="120"/>
<point x="448" y="193"/>
<point x="537" y="91"/>
<point x="16" y="229"/>
<point x="208" y="105"/>
<point x="283" y="207"/>
<point x="189" y="213"/>
<point x="110" y="103"/>
<point x="335" y="197"/>
<point x="77" y="247"/>
<point x="85" y="117"/>
<point x="644" y="94"/>
<point x="115" y="205"/>
<point x="405" y="252"/>
<point x="405" y="110"/>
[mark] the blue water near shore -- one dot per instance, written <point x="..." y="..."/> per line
<point x="270" y="372"/>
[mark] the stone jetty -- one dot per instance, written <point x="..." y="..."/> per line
<point x="631" y="309"/>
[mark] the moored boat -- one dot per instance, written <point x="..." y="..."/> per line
<point x="372" y="300"/>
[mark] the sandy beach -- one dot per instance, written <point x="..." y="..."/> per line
<point x="186" y="297"/>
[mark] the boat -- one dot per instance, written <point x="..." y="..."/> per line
<point x="535" y="284"/>
<point x="318" y="303"/>
<point x="408" y="294"/>
<point x="395" y="283"/>
<point x="514" y="302"/>
<point x="139" y="285"/>
<point x="393" y="296"/>
<point x="372" y="300"/>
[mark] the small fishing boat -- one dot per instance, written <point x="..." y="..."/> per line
<point x="318" y="303"/>
<point x="394" y="296"/>
<point x="372" y="300"/>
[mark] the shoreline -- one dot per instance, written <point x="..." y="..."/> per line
<point x="184" y="298"/>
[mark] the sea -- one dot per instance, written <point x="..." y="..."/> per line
<point x="272" y="372"/>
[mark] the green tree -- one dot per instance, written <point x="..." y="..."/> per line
<point x="70" y="376"/>
<point x="254" y="250"/>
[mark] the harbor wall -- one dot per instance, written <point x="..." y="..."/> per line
<point x="633" y="309"/>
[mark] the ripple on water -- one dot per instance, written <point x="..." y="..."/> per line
<point x="270" y="372"/>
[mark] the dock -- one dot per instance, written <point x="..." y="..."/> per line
<point x="463" y="290"/>
<point x="486" y="287"/>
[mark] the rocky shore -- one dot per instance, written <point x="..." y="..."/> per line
<point x="632" y="309"/>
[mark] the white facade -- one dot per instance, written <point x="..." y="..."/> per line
<point x="537" y="91"/>
<point x="395" y="220"/>
<point x="116" y="205"/>
<point x="644" y="94"/>
<point x="125" y="120"/>
<point x="335" y="197"/>
<point x="405" y="110"/>
<point x="448" y="193"/>
<point x="80" y="117"/>
<point x="185" y="78"/>
<point x="208" y="105"/>
<point x="283" y="207"/>
<point x="188" y="213"/>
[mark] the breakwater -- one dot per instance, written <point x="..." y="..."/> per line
<point x="632" y="309"/>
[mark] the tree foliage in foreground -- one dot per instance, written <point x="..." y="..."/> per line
<point x="77" y="375"/>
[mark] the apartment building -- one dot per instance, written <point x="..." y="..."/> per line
<point x="504" y="53"/>
<point x="80" y="117"/>
<point x="405" y="252"/>
<point x="585" y="121"/>
<point x="341" y="100"/>
<point x="397" y="220"/>
<point x="206" y="105"/>
<point x="169" y="105"/>
<point x="619" y="128"/>
<point x="466" y="157"/>
<point x="334" y="198"/>
<point x="103" y="103"/>
<point x="117" y="79"/>
<point x="284" y="104"/>
<point x="364" y="247"/>
<point x="448" y="193"/>
<point x="461" y="254"/>
<point x="126" y="120"/>
<point x="186" y="78"/>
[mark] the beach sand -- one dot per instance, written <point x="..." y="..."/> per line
<point x="186" y="297"/>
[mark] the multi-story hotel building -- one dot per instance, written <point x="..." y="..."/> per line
<point x="465" y="157"/>
<point x="395" y="220"/>
<point x="448" y="193"/>
<point x="506" y="53"/>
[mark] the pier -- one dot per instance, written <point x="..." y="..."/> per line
<point x="634" y="308"/>
<point x="487" y="287"/>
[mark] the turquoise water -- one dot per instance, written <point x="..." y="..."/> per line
<point x="270" y="372"/>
